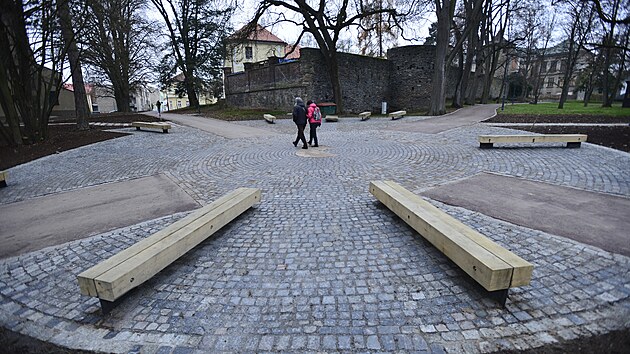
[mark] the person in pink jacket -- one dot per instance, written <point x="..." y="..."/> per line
<point x="314" y="116"/>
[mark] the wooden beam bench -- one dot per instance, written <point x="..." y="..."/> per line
<point x="269" y="118"/>
<point x="3" y="178"/>
<point x="152" y="125"/>
<point x="492" y="266"/>
<point x="332" y="118"/>
<point x="365" y="115"/>
<point x="572" y="140"/>
<point x="126" y="270"/>
<point x="397" y="114"/>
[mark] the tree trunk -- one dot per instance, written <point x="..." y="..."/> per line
<point x="80" y="97"/>
<point x="438" y="94"/>
<point x="458" y="98"/>
<point x="333" y="69"/>
<point x="12" y="134"/>
<point x="193" y="100"/>
<point x="121" y="96"/>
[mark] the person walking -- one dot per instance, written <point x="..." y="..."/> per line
<point x="299" y="118"/>
<point x="159" y="105"/>
<point x="314" y="116"/>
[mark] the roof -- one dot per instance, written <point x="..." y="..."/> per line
<point x="261" y="34"/>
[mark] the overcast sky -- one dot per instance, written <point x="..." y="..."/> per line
<point x="289" y="33"/>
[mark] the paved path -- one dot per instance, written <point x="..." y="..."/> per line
<point x="215" y="126"/>
<point x="461" y="117"/>
<point x="72" y="215"/>
<point x="343" y="275"/>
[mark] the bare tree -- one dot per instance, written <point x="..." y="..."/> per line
<point x="444" y="10"/>
<point x="28" y="89"/>
<point x="119" y="46"/>
<point x="613" y="14"/>
<point x="81" y="108"/>
<point x="197" y="30"/>
<point x="326" y="22"/>
<point x="468" y="18"/>
<point x="376" y="33"/>
<point x="580" y="20"/>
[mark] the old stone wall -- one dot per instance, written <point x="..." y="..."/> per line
<point x="364" y="80"/>
<point x="403" y="81"/>
<point x="273" y="86"/>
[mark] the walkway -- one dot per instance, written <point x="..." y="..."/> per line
<point x="319" y="265"/>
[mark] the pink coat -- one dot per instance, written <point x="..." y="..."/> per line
<point x="309" y="113"/>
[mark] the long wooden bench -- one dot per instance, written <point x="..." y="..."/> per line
<point x="116" y="276"/>
<point x="492" y="266"/>
<point x="152" y="125"/>
<point x="365" y="115"/>
<point x="3" y="178"/>
<point x="572" y="140"/>
<point x="330" y="118"/>
<point x="269" y="118"/>
<point x="397" y="114"/>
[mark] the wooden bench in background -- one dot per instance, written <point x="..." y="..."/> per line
<point x="152" y="125"/>
<point x="365" y="115"/>
<point x="116" y="276"/>
<point x="397" y="114"/>
<point x="572" y="140"/>
<point x="269" y="118"/>
<point x="492" y="266"/>
<point x="3" y="178"/>
<point x="330" y="118"/>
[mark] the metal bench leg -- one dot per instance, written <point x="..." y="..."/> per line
<point x="137" y="128"/>
<point x="485" y="145"/>
<point x="500" y="296"/>
<point x="164" y="131"/>
<point x="574" y="145"/>
<point x="3" y="183"/>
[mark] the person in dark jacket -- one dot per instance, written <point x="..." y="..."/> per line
<point x="299" y="118"/>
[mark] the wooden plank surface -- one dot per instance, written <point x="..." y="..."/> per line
<point x="153" y="125"/>
<point x="487" y="269"/>
<point x="269" y="118"/>
<point x="131" y="267"/>
<point x="522" y="269"/>
<point x="365" y="115"/>
<point x="397" y="114"/>
<point x="522" y="138"/>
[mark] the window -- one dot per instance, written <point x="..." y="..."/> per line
<point x="249" y="53"/>
<point x="553" y="66"/>
<point x="179" y="104"/>
<point x="550" y="82"/>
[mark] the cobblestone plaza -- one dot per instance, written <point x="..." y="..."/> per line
<point x="319" y="265"/>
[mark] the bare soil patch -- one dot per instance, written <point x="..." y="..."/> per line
<point x="63" y="135"/>
<point x="616" y="137"/>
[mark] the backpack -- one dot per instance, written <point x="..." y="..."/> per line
<point x="317" y="114"/>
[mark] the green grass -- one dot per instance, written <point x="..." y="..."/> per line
<point x="570" y="107"/>
<point x="222" y="111"/>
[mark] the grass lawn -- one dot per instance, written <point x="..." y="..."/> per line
<point x="570" y="107"/>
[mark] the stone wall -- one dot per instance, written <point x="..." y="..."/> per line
<point x="403" y="80"/>
<point x="364" y="80"/>
<point x="272" y="86"/>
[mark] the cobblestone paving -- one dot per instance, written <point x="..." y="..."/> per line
<point x="319" y="265"/>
